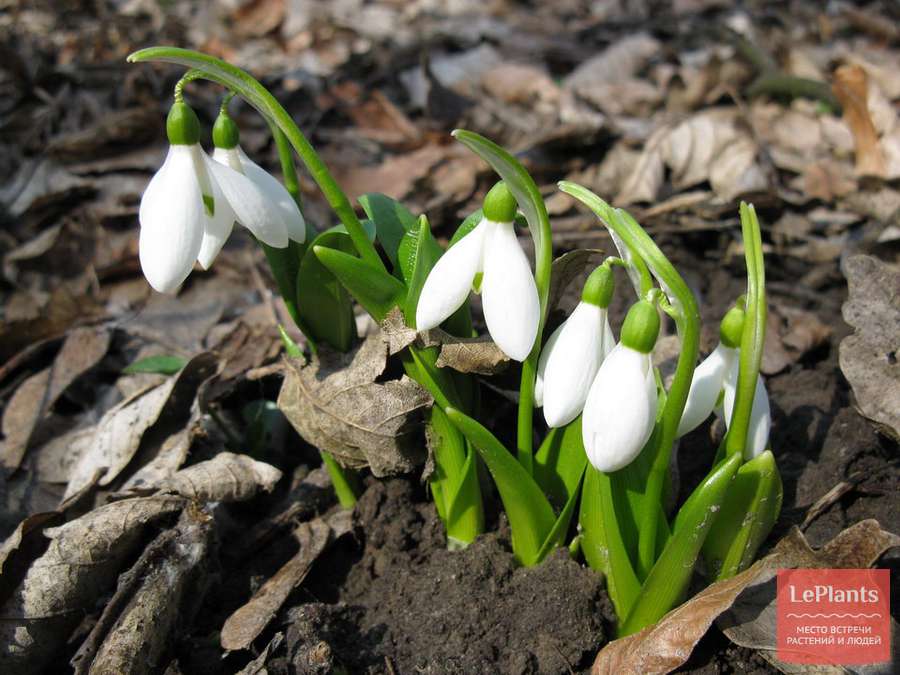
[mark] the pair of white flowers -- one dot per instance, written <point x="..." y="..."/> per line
<point x="582" y="369"/>
<point x="191" y="204"/>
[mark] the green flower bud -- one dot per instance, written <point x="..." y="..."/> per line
<point x="641" y="327"/>
<point x="599" y="287"/>
<point x="499" y="204"/>
<point x="732" y="327"/>
<point x="182" y="125"/>
<point x="225" y="132"/>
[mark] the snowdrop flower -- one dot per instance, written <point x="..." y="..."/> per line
<point x="191" y="203"/>
<point x="714" y="384"/>
<point x="573" y="354"/>
<point x="620" y="410"/>
<point x="258" y="200"/>
<point x="509" y="293"/>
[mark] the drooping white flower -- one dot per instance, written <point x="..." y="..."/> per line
<point x="620" y="411"/>
<point x="509" y="293"/>
<point x="178" y="205"/>
<point x="572" y="356"/>
<point x="713" y="387"/>
<point x="706" y="388"/>
<point x="258" y="201"/>
<point x="190" y="206"/>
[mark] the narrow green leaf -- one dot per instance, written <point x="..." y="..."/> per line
<point x="392" y="220"/>
<point x="418" y="259"/>
<point x="376" y="290"/>
<point x="159" y="365"/>
<point x="531" y="517"/>
<point x="557" y="535"/>
<point x="672" y="572"/>
<point x="456" y="480"/>
<point x="323" y="305"/>
<point x="748" y="514"/>
<point x="560" y="461"/>
<point x="468" y="224"/>
<point x="290" y="347"/>
<point x="602" y="542"/>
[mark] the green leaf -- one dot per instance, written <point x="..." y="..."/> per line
<point x="602" y="542"/>
<point x="376" y="290"/>
<point x="159" y="365"/>
<point x="392" y="221"/>
<point x="747" y="516"/>
<point x="419" y="252"/>
<point x="323" y="305"/>
<point x="560" y="461"/>
<point x="557" y="535"/>
<point x="672" y="572"/>
<point x="531" y="517"/>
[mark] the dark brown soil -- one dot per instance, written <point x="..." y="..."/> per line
<point x="410" y="605"/>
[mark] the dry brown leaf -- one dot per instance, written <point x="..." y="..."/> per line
<point x="666" y="645"/>
<point x="869" y="357"/>
<point x="120" y="431"/>
<point x="569" y="268"/>
<point x="519" y="83"/>
<point x="227" y="477"/>
<point x="82" y="350"/>
<point x="80" y="565"/>
<point x="709" y="146"/>
<point x="751" y="621"/>
<point x="851" y="88"/>
<point x="161" y="591"/>
<point x="625" y="57"/>
<point x="336" y="405"/>
<point x="245" y="625"/>
<point x="467" y="355"/>
<point x="396" y="175"/>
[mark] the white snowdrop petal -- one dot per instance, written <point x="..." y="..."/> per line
<point x="572" y="361"/>
<point x="217" y="228"/>
<point x="709" y="378"/>
<point x="171" y="217"/>
<point x="278" y="194"/>
<point x="251" y="207"/>
<point x="509" y="295"/>
<point x="620" y="410"/>
<point x="450" y="280"/>
<point x="542" y="365"/>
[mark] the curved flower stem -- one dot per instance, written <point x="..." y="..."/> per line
<point x="259" y="97"/>
<point x="687" y="323"/>
<point x="754" y="334"/>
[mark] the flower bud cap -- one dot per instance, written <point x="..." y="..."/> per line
<point x="225" y="132"/>
<point x="641" y="327"/>
<point x="182" y="125"/>
<point x="499" y="204"/>
<point x="599" y="287"/>
<point x="732" y="327"/>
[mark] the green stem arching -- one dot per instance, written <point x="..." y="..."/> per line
<point x="687" y="324"/>
<point x="259" y="97"/>
<point x="754" y="333"/>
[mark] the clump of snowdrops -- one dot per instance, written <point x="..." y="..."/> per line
<point x="597" y="482"/>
